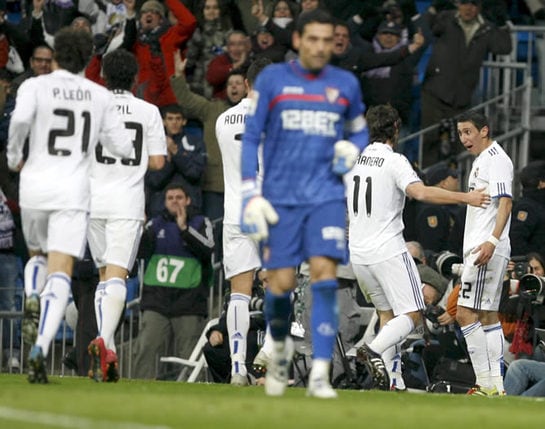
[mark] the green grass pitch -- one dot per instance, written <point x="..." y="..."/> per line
<point x="74" y="402"/>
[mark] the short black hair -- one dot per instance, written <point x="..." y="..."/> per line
<point x="476" y="118"/>
<point x="173" y="108"/>
<point x="319" y="16"/>
<point x="176" y="185"/>
<point x="120" y="68"/>
<point x="532" y="174"/>
<point x="255" y="68"/>
<point x="73" y="49"/>
<point x="42" y="46"/>
<point x="383" y="122"/>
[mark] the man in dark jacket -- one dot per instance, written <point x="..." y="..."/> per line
<point x="527" y="232"/>
<point x="463" y="39"/>
<point x="177" y="246"/>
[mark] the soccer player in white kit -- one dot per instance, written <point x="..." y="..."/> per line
<point x="117" y="206"/>
<point x="486" y="253"/>
<point x="63" y="114"/>
<point x="386" y="272"/>
<point x="240" y="253"/>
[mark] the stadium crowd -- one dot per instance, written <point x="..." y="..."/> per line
<point x="192" y="61"/>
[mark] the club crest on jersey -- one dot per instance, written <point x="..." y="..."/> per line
<point x="331" y="94"/>
<point x="432" y="221"/>
<point x="522" y="216"/>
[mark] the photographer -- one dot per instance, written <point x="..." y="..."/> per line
<point x="524" y="305"/>
<point x="217" y="351"/>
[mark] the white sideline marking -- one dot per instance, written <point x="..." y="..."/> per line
<point x="67" y="421"/>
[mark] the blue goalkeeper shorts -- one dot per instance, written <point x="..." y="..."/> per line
<point x="306" y="231"/>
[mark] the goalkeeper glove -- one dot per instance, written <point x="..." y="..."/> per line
<point x="346" y="155"/>
<point x="257" y="212"/>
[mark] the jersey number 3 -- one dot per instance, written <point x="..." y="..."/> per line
<point x="136" y="142"/>
<point x="368" y="195"/>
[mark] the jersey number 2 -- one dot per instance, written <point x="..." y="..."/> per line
<point x="368" y="195"/>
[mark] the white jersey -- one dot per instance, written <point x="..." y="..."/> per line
<point x="229" y="130"/>
<point x="493" y="171"/>
<point x="117" y="184"/>
<point x="64" y="114"/>
<point x="376" y="196"/>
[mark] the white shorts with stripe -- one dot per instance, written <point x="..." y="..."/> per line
<point x="63" y="231"/>
<point x="393" y="284"/>
<point x="114" y="241"/>
<point x="482" y="286"/>
<point x="240" y="253"/>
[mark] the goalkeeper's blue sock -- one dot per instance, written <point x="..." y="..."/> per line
<point x="324" y="318"/>
<point x="277" y="314"/>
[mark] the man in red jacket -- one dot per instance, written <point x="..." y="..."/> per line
<point x="158" y="38"/>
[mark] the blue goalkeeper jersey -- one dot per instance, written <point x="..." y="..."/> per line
<point x="301" y="116"/>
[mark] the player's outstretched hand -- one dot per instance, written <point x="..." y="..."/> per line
<point x="478" y="198"/>
<point x="346" y="155"/>
<point x="257" y="213"/>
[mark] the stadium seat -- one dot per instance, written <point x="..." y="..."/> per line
<point x="192" y="367"/>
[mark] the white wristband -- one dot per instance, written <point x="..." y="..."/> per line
<point x="493" y="240"/>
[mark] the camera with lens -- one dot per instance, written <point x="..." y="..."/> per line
<point x="532" y="287"/>
<point x="432" y="312"/>
<point x="256" y="303"/>
<point x="521" y="266"/>
<point x="448" y="264"/>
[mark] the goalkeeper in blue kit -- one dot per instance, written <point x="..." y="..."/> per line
<point x="309" y="117"/>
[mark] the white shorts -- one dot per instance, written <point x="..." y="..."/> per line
<point x="240" y="253"/>
<point x="114" y="241"/>
<point x="63" y="231"/>
<point x="482" y="286"/>
<point x="393" y="284"/>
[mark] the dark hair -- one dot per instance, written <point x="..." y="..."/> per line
<point x="120" y="68"/>
<point x="293" y="7"/>
<point x="172" y="108"/>
<point x="255" y="68"/>
<point x="238" y="71"/>
<point x="42" y="46"/>
<point x="176" y="185"/>
<point x="532" y="174"/>
<point x="537" y="256"/>
<point x="319" y="16"/>
<point x="73" y="49"/>
<point x="476" y="118"/>
<point x="383" y="122"/>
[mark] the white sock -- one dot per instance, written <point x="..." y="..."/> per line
<point x="394" y="332"/>
<point x="109" y="303"/>
<point x="268" y="342"/>
<point x="392" y="362"/>
<point x="238" y="323"/>
<point x="478" y="353"/>
<point x="53" y="304"/>
<point x="320" y="369"/>
<point x="35" y="275"/>
<point x="494" y="343"/>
